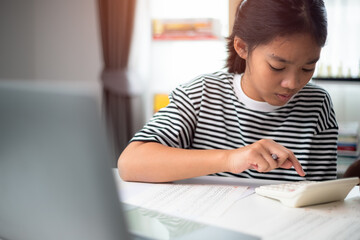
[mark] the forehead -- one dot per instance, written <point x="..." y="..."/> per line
<point x="294" y="48"/>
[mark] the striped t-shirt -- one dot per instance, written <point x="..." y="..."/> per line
<point x="212" y="112"/>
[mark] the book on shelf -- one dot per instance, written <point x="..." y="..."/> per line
<point x="186" y="29"/>
<point x="349" y="140"/>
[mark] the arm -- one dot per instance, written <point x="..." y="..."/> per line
<point x="154" y="162"/>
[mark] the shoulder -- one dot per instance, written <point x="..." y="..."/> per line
<point x="219" y="83"/>
<point x="313" y="93"/>
<point x="314" y="90"/>
<point x="219" y="78"/>
<point x="215" y="87"/>
<point x="317" y="99"/>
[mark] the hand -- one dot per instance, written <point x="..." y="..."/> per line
<point x="261" y="156"/>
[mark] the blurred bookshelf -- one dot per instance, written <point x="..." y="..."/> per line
<point x="188" y="38"/>
<point x="349" y="139"/>
<point x="186" y="29"/>
<point x="348" y="145"/>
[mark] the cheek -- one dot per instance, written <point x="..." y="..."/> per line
<point x="264" y="78"/>
<point x="271" y="79"/>
<point x="263" y="73"/>
<point x="304" y="78"/>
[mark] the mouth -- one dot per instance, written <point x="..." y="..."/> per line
<point x="284" y="97"/>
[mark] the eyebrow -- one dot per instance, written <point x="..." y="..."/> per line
<point x="313" y="61"/>
<point x="280" y="59"/>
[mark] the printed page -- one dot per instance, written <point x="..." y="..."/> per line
<point x="338" y="220"/>
<point x="188" y="200"/>
<point x="313" y="226"/>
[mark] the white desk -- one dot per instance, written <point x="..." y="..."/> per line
<point x="269" y="219"/>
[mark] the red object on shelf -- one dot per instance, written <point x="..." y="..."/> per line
<point x="183" y="37"/>
<point x="346" y="148"/>
<point x="185" y="29"/>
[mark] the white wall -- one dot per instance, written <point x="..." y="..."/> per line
<point x="50" y="40"/>
<point x="346" y="99"/>
<point x="342" y="49"/>
<point x="342" y="53"/>
<point x="67" y="40"/>
<point x="17" y="39"/>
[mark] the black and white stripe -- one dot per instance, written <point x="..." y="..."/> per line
<point x="205" y="113"/>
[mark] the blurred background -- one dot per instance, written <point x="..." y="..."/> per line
<point x="133" y="53"/>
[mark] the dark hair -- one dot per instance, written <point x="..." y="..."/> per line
<point x="258" y="22"/>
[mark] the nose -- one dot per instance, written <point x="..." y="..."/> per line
<point x="290" y="82"/>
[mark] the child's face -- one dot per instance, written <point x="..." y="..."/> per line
<point x="278" y="70"/>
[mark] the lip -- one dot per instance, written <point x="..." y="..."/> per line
<point x="284" y="97"/>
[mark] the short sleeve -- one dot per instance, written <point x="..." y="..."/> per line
<point x="172" y="125"/>
<point x="327" y="118"/>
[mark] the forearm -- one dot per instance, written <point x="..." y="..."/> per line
<point x="154" y="162"/>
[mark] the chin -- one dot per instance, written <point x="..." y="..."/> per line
<point x="277" y="103"/>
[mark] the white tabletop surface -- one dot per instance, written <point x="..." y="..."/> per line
<point x="269" y="219"/>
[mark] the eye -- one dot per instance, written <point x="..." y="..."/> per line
<point x="308" y="70"/>
<point x="276" y="69"/>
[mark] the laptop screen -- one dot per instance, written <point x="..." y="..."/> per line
<point x="55" y="168"/>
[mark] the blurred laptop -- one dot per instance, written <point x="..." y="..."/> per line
<point x="56" y="180"/>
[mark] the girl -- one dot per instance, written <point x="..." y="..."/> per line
<point x="259" y="119"/>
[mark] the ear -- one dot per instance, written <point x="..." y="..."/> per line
<point x="241" y="48"/>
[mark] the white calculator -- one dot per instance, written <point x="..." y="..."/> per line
<point x="304" y="193"/>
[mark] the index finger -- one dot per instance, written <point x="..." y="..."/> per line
<point x="295" y="162"/>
